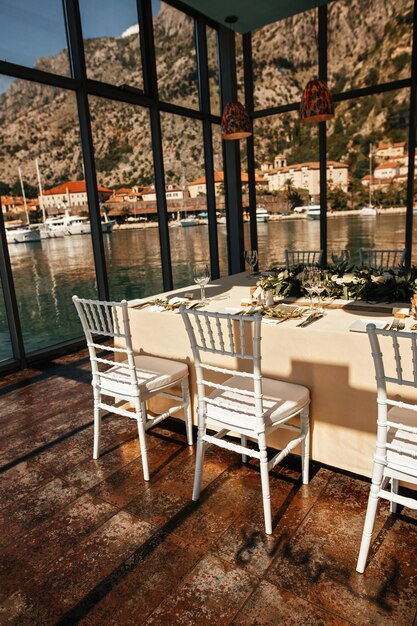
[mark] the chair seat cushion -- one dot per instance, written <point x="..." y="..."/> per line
<point x="280" y="401"/>
<point x="152" y="372"/>
<point x="403" y="461"/>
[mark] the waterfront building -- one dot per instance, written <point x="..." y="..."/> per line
<point x="71" y="194"/>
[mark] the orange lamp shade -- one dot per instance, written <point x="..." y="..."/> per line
<point x="317" y="102"/>
<point x="235" y="122"/>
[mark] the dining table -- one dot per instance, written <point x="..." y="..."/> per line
<point x="328" y="356"/>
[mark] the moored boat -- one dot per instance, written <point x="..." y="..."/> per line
<point x="368" y="211"/>
<point x="313" y="212"/>
<point x="22" y="234"/>
<point x="262" y="215"/>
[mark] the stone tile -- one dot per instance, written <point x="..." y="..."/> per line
<point x="152" y="576"/>
<point x="27" y="512"/>
<point x="21" y="480"/>
<point x="318" y="562"/>
<point x="269" y="606"/>
<point x="54" y="594"/>
<point x="33" y="553"/>
<point x="211" y="594"/>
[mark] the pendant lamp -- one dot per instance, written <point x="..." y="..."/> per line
<point x="317" y="102"/>
<point x="236" y="122"/>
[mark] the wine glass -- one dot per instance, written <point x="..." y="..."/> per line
<point x="308" y="283"/>
<point x="319" y="287"/>
<point x="251" y="258"/>
<point x="201" y="275"/>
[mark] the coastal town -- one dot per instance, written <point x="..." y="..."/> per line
<point x="283" y="190"/>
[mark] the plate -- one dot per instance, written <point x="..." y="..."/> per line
<point x="360" y="325"/>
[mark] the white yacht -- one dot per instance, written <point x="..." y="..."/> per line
<point x="368" y="211"/>
<point x="73" y="225"/>
<point x="22" y="234"/>
<point x="313" y="212"/>
<point x="262" y="215"/>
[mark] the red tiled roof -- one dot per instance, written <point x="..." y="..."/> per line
<point x="123" y="191"/>
<point x="73" y="186"/>
<point x="312" y="165"/>
<point x="387" y="165"/>
<point x="219" y="178"/>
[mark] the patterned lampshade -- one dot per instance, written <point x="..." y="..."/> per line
<point x="317" y="102"/>
<point x="235" y="122"/>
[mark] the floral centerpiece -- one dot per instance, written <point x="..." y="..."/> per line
<point x="347" y="283"/>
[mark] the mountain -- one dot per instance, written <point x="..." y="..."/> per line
<point x="369" y="41"/>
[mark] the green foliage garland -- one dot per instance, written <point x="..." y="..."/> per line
<point x="347" y="283"/>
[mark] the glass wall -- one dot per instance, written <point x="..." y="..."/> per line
<point x="111" y="42"/>
<point x="287" y="182"/>
<point x="368" y="177"/>
<point x="284" y="58"/>
<point x="6" y="351"/>
<point x="213" y="70"/>
<point x="176" y="63"/>
<point x="34" y="34"/>
<point x="186" y="193"/>
<point x="368" y="42"/>
<point x="124" y="164"/>
<point x="50" y="263"/>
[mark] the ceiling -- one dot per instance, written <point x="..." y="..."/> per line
<point x="252" y="13"/>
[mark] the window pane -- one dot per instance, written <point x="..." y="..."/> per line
<point x="182" y="140"/>
<point x="175" y="52"/>
<point x="378" y="150"/>
<point x="111" y="41"/>
<point x="34" y="34"/>
<point x="288" y="178"/>
<point x="369" y="43"/>
<point x="213" y="70"/>
<point x="40" y="122"/>
<point x="240" y="76"/>
<point x="284" y="59"/>
<point x="5" y="343"/>
<point x="124" y="162"/>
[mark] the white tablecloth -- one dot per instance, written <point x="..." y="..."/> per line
<point x="333" y="362"/>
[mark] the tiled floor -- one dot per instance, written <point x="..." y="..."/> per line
<point x="89" y="542"/>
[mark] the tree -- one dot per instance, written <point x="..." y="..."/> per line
<point x="292" y="194"/>
<point x="337" y="198"/>
<point x="4" y="188"/>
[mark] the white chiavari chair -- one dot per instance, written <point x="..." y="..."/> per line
<point x="302" y="257"/>
<point x="381" y="259"/>
<point x="125" y="377"/>
<point x="245" y="402"/>
<point x="395" y="457"/>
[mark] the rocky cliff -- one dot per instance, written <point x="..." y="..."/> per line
<point x="369" y="41"/>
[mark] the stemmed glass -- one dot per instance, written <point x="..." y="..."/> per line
<point x="308" y="283"/>
<point x="201" y="275"/>
<point x="251" y="258"/>
<point x="319" y="287"/>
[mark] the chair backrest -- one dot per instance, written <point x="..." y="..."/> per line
<point x="303" y="257"/>
<point x="381" y="259"/>
<point x="396" y="366"/>
<point x="108" y="319"/>
<point x="236" y="338"/>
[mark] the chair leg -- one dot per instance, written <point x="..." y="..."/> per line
<point x="187" y="411"/>
<point x="243" y="441"/>
<point x="394" y="489"/>
<point x="266" y="496"/>
<point x="97" y="425"/>
<point x="140" y="417"/>
<point x="199" y="460"/>
<point x="371" y="510"/>
<point x="305" y="444"/>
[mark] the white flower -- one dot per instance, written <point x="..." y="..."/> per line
<point x="378" y="279"/>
